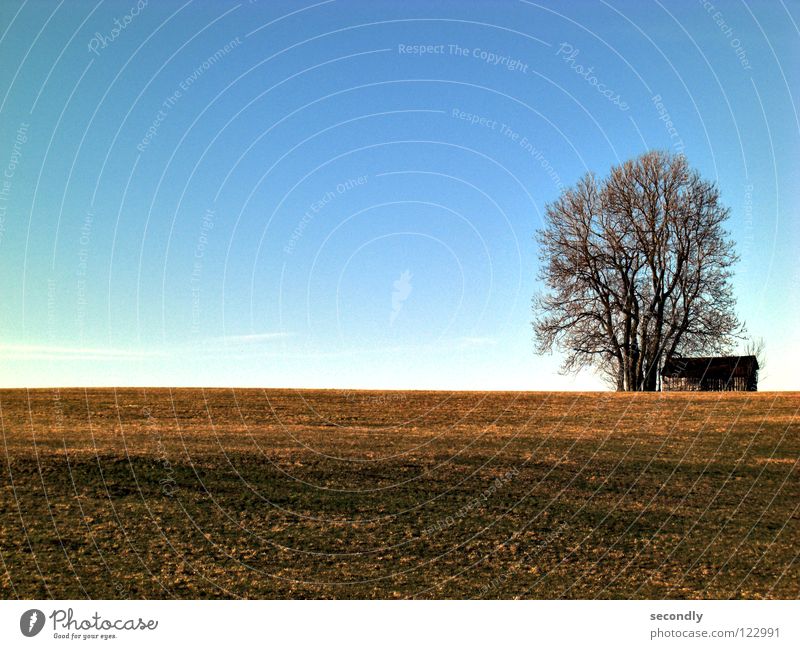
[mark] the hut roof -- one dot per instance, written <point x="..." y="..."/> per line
<point x="699" y="366"/>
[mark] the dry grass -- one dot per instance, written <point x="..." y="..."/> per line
<point x="249" y="493"/>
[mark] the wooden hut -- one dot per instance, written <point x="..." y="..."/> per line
<point x="739" y="373"/>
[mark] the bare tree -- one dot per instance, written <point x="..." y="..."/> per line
<point x="757" y="347"/>
<point x="636" y="269"/>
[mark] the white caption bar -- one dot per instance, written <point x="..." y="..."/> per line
<point x="154" y="624"/>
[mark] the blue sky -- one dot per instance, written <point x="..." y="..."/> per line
<point x="344" y="194"/>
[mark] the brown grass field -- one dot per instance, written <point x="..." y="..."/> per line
<point x="157" y="493"/>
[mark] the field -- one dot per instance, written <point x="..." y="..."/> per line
<point x="184" y="493"/>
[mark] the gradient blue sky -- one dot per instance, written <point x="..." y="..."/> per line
<point x="307" y="210"/>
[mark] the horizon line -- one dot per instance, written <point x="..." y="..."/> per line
<point x="361" y="389"/>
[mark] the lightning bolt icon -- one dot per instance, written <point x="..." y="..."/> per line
<point x="32" y="621"/>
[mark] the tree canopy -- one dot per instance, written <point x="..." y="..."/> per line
<point x="636" y="270"/>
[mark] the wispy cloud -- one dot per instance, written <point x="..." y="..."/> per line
<point x="256" y="338"/>
<point x="245" y="339"/>
<point x="263" y="344"/>
<point x="476" y="341"/>
<point x="65" y="352"/>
